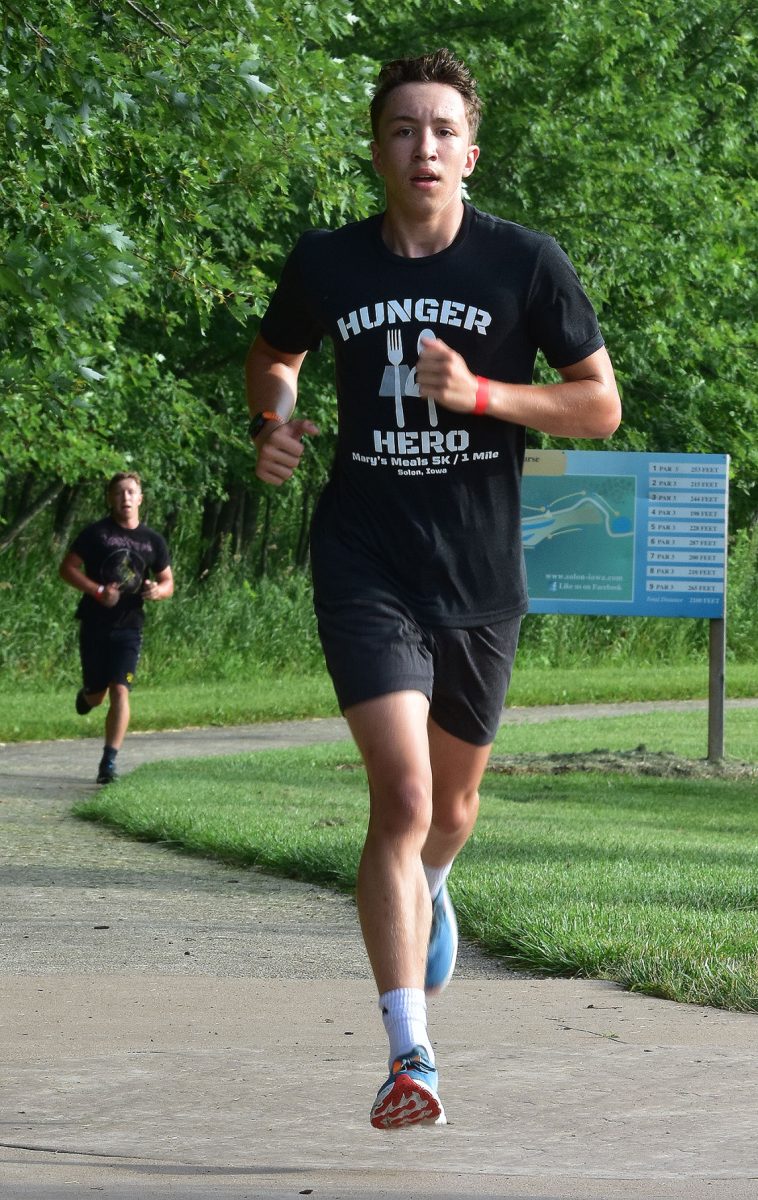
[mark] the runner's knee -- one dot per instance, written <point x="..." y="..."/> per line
<point x="401" y="809"/>
<point x="454" y="812"/>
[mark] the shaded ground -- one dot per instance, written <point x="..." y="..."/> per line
<point x="639" y="761"/>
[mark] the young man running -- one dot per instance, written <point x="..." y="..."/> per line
<point x="436" y="312"/>
<point x="110" y="561"/>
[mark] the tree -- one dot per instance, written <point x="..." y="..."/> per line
<point x="158" y="164"/>
<point x="161" y="160"/>
<point x="632" y="136"/>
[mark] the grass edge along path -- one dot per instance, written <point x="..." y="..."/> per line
<point x="35" y="714"/>
<point x="649" y="883"/>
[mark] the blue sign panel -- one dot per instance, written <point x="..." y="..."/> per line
<point x="616" y="533"/>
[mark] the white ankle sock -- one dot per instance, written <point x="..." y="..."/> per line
<point x="404" y="1015"/>
<point x="435" y="877"/>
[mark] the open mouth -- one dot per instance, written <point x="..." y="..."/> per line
<point x="424" y="177"/>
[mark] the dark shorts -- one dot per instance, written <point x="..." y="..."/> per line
<point x="376" y="648"/>
<point x="108" y="656"/>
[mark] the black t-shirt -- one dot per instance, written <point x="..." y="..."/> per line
<point x="423" y="504"/>
<point x="113" y="554"/>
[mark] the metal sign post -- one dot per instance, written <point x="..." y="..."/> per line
<point x="716" y="688"/>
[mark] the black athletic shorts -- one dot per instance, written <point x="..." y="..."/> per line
<point x="108" y="656"/>
<point x="373" y="649"/>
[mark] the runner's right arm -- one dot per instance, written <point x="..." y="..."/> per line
<point x="71" y="571"/>
<point x="271" y="378"/>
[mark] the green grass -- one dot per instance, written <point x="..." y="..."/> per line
<point x="29" y="713"/>
<point x="683" y="734"/>
<point x="651" y="883"/>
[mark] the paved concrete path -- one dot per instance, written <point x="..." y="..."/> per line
<point x="174" y="1027"/>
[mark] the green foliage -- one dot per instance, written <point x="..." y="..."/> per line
<point x="222" y="629"/>
<point x="157" y="166"/>
<point x="159" y="163"/>
<point x="227" y="627"/>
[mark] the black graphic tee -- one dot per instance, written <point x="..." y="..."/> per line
<point x="423" y="504"/>
<point x="112" y="554"/>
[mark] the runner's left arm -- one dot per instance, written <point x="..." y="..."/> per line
<point x="585" y="403"/>
<point x="161" y="587"/>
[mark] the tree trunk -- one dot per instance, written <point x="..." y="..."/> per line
<point x="28" y="513"/>
<point x="208" y="531"/>
<point x="301" y="551"/>
<point x="168" y="525"/>
<point x="265" y="536"/>
<point x="65" y="513"/>
<point x="221" y="519"/>
<point x="237" y="501"/>
<point x="250" y="522"/>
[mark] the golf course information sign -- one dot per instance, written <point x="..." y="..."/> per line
<point x="616" y="533"/>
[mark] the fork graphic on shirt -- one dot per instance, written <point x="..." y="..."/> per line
<point x="395" y="356"/>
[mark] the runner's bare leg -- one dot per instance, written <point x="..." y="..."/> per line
<point x="393" y="897"/>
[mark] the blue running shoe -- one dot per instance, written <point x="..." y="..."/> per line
<point x="443" y="944"/>
<point x="409" y="1097"/>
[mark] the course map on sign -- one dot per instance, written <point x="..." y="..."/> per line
<point x="624" y="533"/>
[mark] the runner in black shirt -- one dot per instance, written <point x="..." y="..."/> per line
<point x="436" y="312"/>
<point x="111" y="562"/>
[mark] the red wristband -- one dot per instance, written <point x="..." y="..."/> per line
<point x="482" y="395"/>
<point x="100" y="591"/>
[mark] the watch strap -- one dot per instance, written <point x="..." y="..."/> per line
<point x="260" y="419"/>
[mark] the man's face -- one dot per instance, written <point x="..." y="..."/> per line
<point x="125" y="498"/>
<point x="422" y="150"/>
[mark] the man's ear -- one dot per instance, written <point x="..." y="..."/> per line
<point x="376" y="158"/>
<point x="471" y="157"/>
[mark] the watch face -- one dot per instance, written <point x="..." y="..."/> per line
<point x="259" y="420"/>
<point x="256" y="425"/>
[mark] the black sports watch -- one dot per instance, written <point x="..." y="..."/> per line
<point x="259" y="420"/>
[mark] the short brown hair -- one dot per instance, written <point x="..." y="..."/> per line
<point x="441" y="66"/>
<point x="119" y="477"/>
